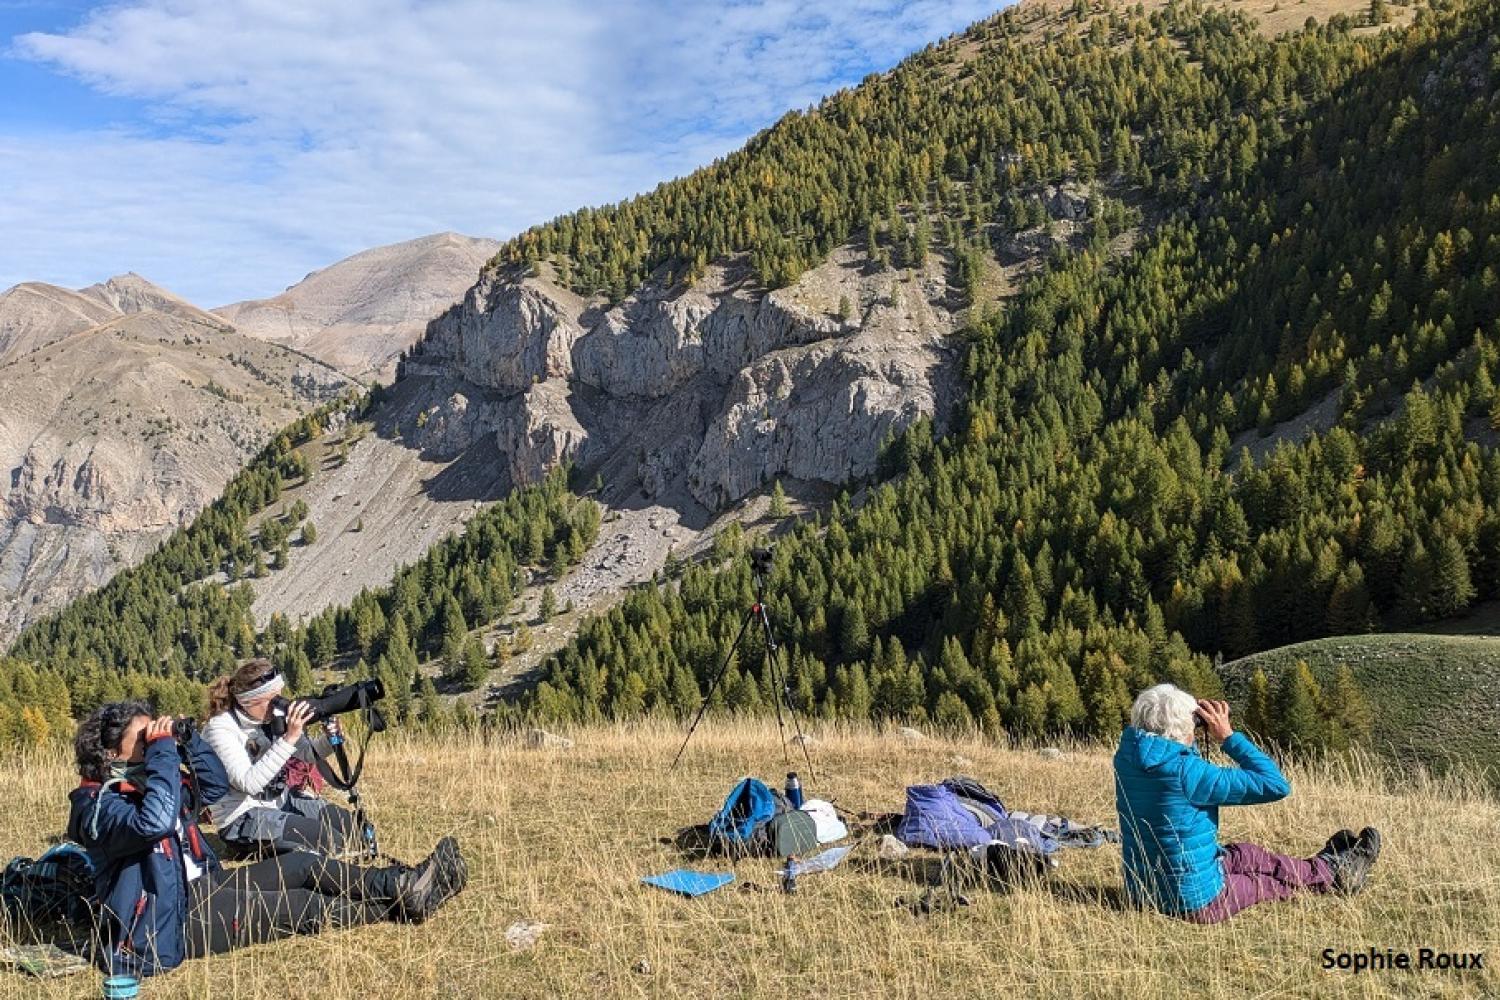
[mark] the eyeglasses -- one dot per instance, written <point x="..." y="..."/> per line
<point x="263" y="678"/>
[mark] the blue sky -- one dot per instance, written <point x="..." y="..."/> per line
<point x="224" y="148"/>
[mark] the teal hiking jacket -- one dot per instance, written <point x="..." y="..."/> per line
<point x="1168" y="798"/>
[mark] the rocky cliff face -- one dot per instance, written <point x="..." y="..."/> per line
<point x="697" y="395"/>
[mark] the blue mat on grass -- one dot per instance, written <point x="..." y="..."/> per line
<point x="689" y="883"/>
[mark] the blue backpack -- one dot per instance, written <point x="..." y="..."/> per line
<point x="57" y="888"/>
<point x="758" y="820"/>
<point x="751" y="805"/>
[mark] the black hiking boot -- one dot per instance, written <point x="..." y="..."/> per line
<point x="1337" y="844"/>
<point x="421" y="890"/>
<point x="1351" y="867"/>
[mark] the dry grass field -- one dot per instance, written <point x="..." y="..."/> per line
<point x="563" y="837"/>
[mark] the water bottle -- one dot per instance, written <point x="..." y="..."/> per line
<point x="793" y="790"/>
<point x="789" y="877"/>
<point x="121" y="988"/>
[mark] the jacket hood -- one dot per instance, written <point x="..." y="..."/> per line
<point x="1151" y="751"/>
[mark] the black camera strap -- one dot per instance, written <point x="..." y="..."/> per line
<point x="345" y="778"/>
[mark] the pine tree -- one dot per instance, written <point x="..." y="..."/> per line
<point x="951" y="714"/>
<point x="857" y="700"/>
<point x="1453" y="588"/>
<point x="1349" y="604"/>
<point x="298" y="672"/>
<point x="682" y="691"/>
<point x="35" y="730"/>
<point x="455" y="632"/>
<point x="1299" y="723"/>
<point x="547" y="606"/>
<point x="779" y="508"/>
<point x="1028" y="715"/>
<point x="854" y="634"/>
<point x="1259" y="715"/>
<point x="476" y="665"/>
<point x="433" y="713"/>
<point x="1023" y="604"/>
<point x="322" y="641"/>
<point x="309" y="533"/>
<point x="1418" y="583"/>
<point x="1346" y="712"/>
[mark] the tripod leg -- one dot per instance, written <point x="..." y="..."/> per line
<point x="780" y="680"/>
<point x="703" y="707"/>
<point x="773" y="673"/>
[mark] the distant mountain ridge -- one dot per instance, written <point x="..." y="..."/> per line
<point x="123" y="411"/>
<point x="124" y="408"/>
<point x="359" y="314"/>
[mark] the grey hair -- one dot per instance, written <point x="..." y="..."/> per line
<point x="1165" y="710"/>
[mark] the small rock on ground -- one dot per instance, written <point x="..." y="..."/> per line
<point x="523" y="934"/>
<point x="910" y="735"/>
<point x="540" y="739"/>
<point x="891" y="848"/>
<point x="1050" y="753"/>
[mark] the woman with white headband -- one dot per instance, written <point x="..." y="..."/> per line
<point x="272" y="804"/>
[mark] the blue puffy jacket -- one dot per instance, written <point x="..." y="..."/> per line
<point x="131" y="834"/>
<point x="1168" y="798"/>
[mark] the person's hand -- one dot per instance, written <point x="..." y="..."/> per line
<point x="298" y="715"/>
<point x="1215" y="716"/>
<point x="159" y="727"/>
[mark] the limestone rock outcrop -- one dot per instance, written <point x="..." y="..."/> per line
<point x="699" y="394"/>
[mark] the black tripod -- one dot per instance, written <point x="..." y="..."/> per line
<point x="760" y="567"/>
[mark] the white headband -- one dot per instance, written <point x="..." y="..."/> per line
<point x="272" y="686"/>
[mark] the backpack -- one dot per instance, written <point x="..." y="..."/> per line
<point x="57" y="888"/>
<point x="757" y="820"/>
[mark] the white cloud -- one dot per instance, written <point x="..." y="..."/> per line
<point x="281" y="137"/>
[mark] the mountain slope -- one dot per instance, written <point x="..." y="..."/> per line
<point x="1088" y="531"/>
<point x="116" y="434"/>
<point x="35" y="314"/>
<point x="359" y="314"/>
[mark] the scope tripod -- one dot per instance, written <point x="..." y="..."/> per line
<point x="760" y="565"/>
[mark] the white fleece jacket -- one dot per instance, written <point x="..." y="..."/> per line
<point x="230" y="734"/>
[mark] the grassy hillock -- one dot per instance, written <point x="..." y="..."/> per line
<point x="563" y="837"/>
<point x="1436" y="698"/>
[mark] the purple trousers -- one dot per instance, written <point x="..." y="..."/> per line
<point x="1253" y="875"/>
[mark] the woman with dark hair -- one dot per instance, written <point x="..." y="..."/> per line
<point x="163" y="895"/>
<point x="272" y="804"/>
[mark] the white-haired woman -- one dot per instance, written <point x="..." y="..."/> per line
<point x="1168" y="799"/>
